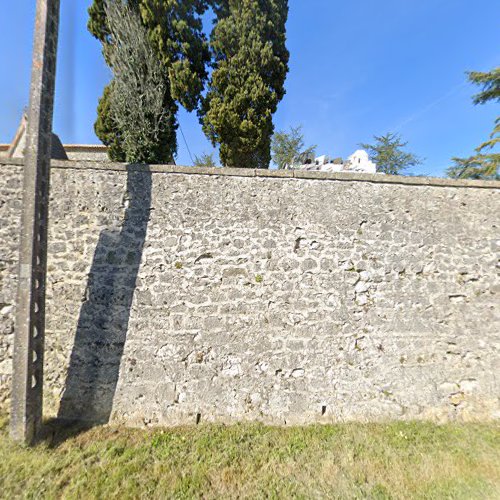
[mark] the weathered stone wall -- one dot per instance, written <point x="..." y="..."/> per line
<point x="86" y="153"/>
<point x="233" y="295"/>
<point x="10" y="218"/>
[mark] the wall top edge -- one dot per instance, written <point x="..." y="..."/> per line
<point x="250" y="172"/>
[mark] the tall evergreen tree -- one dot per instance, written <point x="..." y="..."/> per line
<point x="485" y="164"/>
<point x="250" y="56"/>
<point x="175" y="31"/>
<point x="139" y="88"/>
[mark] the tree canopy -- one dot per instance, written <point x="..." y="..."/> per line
<point x="205" y="160"/>
<point x="486" y="162"/>
<point x="248" y="46"/>
<point x="479" y="166"/>
<point x="137" y="94"/>
<point x="174" y="29"/>
<point x="490" y="82"/>
<point x="389" y="154"/>
<point x="286" y="147"/>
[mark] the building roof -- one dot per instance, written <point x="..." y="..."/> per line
<point x="16" y="148"/>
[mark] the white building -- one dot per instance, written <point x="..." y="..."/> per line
<point x="359" y="161"/>
<point x="85" y="152"/>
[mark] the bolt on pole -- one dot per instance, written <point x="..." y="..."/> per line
<point x="27" y="383"/>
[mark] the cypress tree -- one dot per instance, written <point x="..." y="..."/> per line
<point x="248" y="47"/>
<point x="174" y="29"/>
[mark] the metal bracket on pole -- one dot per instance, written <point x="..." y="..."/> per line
<point x="27" y="383"/>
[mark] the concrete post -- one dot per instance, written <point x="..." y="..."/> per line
<point x="27" y="384"/>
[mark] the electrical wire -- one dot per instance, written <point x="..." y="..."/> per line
<point x="187" y="146"/>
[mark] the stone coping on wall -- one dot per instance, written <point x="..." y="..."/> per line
<point x="251" y="172"/>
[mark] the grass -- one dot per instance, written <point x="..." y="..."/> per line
<point x="399" y="460"/>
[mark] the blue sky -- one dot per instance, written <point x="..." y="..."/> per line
<point x="357" y="69"/>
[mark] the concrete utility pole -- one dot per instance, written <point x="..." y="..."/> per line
<point x="27" y="384"/>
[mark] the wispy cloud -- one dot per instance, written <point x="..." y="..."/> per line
<point x="415" y="116"/>
<point x="421" y="112"/>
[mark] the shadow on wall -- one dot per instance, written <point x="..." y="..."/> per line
<point x="104" y="317"/>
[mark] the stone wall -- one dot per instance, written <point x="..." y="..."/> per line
<point x="178" y="295"/>
<point x="82" y="152"/>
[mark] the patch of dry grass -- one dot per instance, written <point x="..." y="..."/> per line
<point x="399" y="460"/>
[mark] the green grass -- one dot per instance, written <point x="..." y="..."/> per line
<point x="400" y="460"/>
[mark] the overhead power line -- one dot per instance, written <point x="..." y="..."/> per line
<point x="187" y="146"/>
